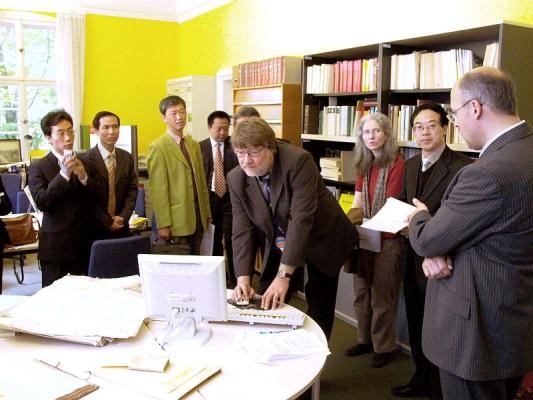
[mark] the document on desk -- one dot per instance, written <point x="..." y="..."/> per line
<point x="271" y="347"/>
<point x="34" y="379"/>
<point x="80" y="309"/>
<point x="391" y="218"/>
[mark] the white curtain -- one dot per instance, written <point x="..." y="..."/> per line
<point x="70" y="49"/>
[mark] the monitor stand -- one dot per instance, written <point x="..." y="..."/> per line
<point x="183" y="331"/>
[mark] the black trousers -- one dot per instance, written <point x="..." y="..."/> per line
<point x="414" y="285"/>
<point x="223" y="221"/>
<point x="320" y="291"/>
<point x="54" y="270"/>
<point x="455" y="388"/>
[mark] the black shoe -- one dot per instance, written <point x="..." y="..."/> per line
<point x="381" y="359"/>
<point x="358" y="349"/>
<point x="410" y="391"/>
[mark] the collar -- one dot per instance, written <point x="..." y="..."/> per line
<point x="58" y="156"/>
<point x="176" y="138"/>
<point x="214" y="143"/>
<point x="434" y="156"/>
<point x="104" y="152"/>
<point x="492" y="139"/>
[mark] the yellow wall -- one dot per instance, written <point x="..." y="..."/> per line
<point x="127" y="62"/>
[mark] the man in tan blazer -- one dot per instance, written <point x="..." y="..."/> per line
<point x="479" y="304"/>
<point x="280" y="203"/>
<point x="177" y="183"/>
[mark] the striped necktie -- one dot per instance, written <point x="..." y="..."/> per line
<point x="111" y="171"/>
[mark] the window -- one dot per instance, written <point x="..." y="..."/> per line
<point x="27" y="76"/>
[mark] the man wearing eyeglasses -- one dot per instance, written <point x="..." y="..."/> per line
<point x="479" y="302"/>
<point x="280" y="203"/>
<point x="427" y="176"/>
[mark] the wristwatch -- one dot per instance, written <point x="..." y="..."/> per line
<point x="284" y="274"/>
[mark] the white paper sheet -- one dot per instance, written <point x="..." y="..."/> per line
<point x="391" y="218"/>
<point x="369" y="239"/>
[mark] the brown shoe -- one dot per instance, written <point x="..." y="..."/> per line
<point x="358" y="349"/>
<point x="381" y="359"/>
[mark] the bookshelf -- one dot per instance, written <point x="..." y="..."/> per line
<point x="509" y="40"/>
<point x="198" y="91"/>
<point x="272" y="87"/>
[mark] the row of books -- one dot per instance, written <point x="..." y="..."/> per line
<point x="347" y="76"/>
<point x="338" y="168"/>
<point x="400" y="116"/>
<point x="336" y="120"/>
<point x="435" y="70"/>
<point x="273" y="71"/>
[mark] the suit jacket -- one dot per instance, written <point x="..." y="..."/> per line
<point x="125" y="187"/>
<point x="64" y="205"/>
<point x="442" y="173"/>
<point x="5" y="208"/>
<point x="230" y="162"/>
<point x="477" y="323"/>
<point x="316" y="228"/>
<point x="171" y="183"/>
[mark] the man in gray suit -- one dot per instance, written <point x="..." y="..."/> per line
<point x="280" y="203"/>
<point x="479" y="302"/>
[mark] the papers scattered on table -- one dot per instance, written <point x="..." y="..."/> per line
<point x="80" y="309"/>
<point x="174" y="383"/>
<point x="34" y="379"/>
<point x="391" y="218"/>
<point x="271" y="347"/>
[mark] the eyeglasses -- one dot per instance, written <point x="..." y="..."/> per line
<point x="255" y="153"/>
<point x="420" y="128"/>
<point x="374" y="131"/>
<point x="452" y="113"/>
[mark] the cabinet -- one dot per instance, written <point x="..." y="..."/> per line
<point x="199" y="92"/>
<point x="279" y="105"/>
<point x="510" y="42"/>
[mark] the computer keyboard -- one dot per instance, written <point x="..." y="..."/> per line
<point x="282" y="316"/>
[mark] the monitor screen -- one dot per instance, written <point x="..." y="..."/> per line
<point x="186" y="286"/>
<point x="10" y="151"/>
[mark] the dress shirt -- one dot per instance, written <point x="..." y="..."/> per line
<point x="433" y="157"/>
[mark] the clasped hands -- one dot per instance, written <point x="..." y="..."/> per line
<point x="74" y="166"/>
<point x="434" y="267"/>
<point x="273" y="298"/>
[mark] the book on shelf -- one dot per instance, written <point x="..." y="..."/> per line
<point x="338" y="168"/>
<point x="344" y="76"/>
<point x="311" y="119"/>
<point x="492" y="54"/>
<point x="273" y="71"/>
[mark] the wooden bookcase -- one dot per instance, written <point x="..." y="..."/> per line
<point x="279" y="105"/>
<point x="512" y="42"/>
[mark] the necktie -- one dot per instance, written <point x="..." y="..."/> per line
<point x="265" y="187"/>
<point x="220" y="180"/>
<point x="111" y="171"/>
<point x="425" y="164"/>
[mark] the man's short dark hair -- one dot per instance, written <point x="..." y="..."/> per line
<point x="53" y="118"/>
<point x="217" y="114"/>
<point x="435" y="107"/>
<point x="245" y="112"/>
<point x="170" y="101"/>
<point x="103" y="114"/>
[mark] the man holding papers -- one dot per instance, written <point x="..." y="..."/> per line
<point x="478" y="313"/>
<point x="427" y="176"/>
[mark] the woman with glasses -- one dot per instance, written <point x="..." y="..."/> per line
<point x="380" y="174"/>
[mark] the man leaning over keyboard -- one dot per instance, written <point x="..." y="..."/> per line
<point x="281" y="204"/>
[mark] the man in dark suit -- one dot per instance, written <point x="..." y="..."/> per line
<point x="58" y="184"/>
<point x="280" y="202"/>
<point x="113" y="201"/>
<point x="479" y="302"/>
<point x="5" y="208"/>
<point x="427" y="176"/>
<point x="219" y="159"/>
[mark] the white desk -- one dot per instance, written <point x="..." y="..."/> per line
<point x="240" y="377"/>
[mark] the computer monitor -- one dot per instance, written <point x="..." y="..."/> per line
<point x="10" y="151"/>
<point x="184" y="291"/>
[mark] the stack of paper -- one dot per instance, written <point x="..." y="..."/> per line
<point x="272" y="347"/>
<point x="104" y="309"/>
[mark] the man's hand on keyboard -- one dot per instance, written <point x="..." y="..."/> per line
<point x="243" y="290"/>
<point x="274" y="297"/>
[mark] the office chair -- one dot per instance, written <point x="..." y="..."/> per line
<point x="12" y="185"/>
<point x="140" y="207"/>
<point x="115" y="258"/>
<point x="23" y="203"/>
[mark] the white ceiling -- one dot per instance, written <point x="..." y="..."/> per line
<point x="165" y="10"/>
